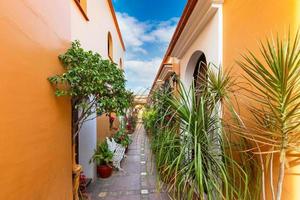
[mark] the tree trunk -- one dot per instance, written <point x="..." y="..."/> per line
<point x="75" y="167"/>
<point x="280" y="179"/>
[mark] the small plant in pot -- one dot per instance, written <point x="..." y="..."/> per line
<point x="129" y="128"/>
<point x="103" y="157"/>
<point x="131" y="123"/>
<point x="122" y="138"/>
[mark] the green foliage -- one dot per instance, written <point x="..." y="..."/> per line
<point x="92" y="81"/>
<point x="150" y="118"/>
<point x="203" y="158"/>
<point x="122" y="138"/>
<point x="220" y="84"/>
<point x="194" y="155"/>
<point x="96" y="85"/>
<point x="274" y="76"/>
<point x="159" y="113"/>
<point x="102" y="155"/>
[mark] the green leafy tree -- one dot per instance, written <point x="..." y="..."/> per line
<point x="95" y="85"/>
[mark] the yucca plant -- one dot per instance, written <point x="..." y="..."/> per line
<point x="195" y="156"/>
<point x="204" y="166"/>
<point x="275" y="79"/>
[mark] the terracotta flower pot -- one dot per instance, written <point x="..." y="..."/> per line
<point x="104" y="171"/>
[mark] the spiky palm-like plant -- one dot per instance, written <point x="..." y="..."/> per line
<point x="193" y="155"/>
<point x="275" y="78"/>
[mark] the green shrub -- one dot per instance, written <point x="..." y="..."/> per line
<point x="150" y="118"/>
<point x="122" y="138"/>
<point x="194" y="155"/>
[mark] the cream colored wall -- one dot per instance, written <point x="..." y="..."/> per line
<point x="208" y="41"/>
<point x="93" y="33"/>
<point x="35" y="125"/>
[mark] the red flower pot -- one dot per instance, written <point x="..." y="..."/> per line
<point x="104" y="171"/>
<point x="128" y="127"/>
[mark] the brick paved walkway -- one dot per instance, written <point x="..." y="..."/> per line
<point x="138" y="181"/>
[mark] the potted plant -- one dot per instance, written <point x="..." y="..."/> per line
<point x="122" y="138"/>
<point x="129" y="128"/>
<point x="103" y="157"/>
<point x="130" y="123"/>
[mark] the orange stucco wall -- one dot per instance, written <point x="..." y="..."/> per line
<point x="248" y="21"/>
<point x="35" y="135"/>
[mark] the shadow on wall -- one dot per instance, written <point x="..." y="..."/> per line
<point x="103" y="127"/>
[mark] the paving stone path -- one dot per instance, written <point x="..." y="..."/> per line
<point x="138" y="181"/>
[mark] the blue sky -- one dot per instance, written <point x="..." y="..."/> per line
<point x="147" y="27"/>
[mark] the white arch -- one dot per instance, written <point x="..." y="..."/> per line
<point x="189" y="70"/>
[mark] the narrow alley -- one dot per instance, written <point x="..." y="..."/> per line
<point x="150" y="100"/>
<point x="137" y="181"/>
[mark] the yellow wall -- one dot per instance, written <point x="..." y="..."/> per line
<point x="35" y="134"/>
<point x="246" y="22"/>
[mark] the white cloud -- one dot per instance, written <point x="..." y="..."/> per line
<point x="149" y="67"/>
<point x="133" y="30"/>
<point x="164" y="30"/>
<point x="136" y="33"/>
<point x="141" y="73"/>
<point x="139" y="50"/>
<point x="140" y="68"/>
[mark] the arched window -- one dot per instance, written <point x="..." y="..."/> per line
<point x="200" y="75"/>
<point x="110" y="46"/>
<point x="121" y="63"/>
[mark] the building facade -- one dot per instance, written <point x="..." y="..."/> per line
<point x="94" y="24"/>
<point x="217" y="31"/>
<point x="35" y="127"/>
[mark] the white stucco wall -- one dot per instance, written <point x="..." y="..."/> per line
<point x="93" y="33"/>
<point x="209" y="41"/>
<point x="93" y="36"/>
<point x="87" y="144"/>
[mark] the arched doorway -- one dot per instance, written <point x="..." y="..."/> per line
<point x="200" y="75"/>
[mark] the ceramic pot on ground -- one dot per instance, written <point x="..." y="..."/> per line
<point x="104" y="171"/>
